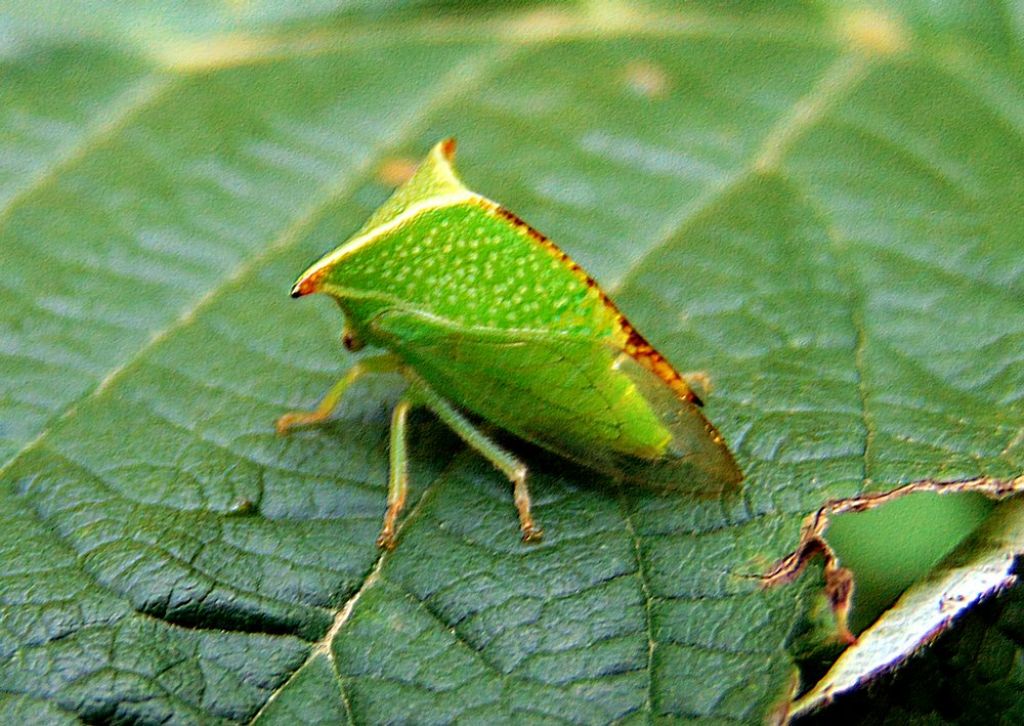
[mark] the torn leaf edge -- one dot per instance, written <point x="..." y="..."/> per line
<point x="839" y="582"/>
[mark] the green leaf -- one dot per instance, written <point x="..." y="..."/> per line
<point x="818" y="207"/>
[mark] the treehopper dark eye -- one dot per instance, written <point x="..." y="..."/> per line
<point x="483" y="315"/>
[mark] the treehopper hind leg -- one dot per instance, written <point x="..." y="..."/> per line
<point x="505" y="462"/>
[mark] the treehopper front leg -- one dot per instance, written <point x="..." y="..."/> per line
<point x="330" y="401"/>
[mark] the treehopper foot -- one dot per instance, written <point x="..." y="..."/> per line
<point x="521" y="495"/>
<point x="398" y="478"/>
<point x="386" y="540"/>
<point x="296" y="419"/>
<point x="501" y="459"/>
<point x="532" y="534"/>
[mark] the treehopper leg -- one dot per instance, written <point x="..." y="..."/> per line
<point x="502" y="460"/>
<point x="398" y="478"/>
<point x="330" y="401"/>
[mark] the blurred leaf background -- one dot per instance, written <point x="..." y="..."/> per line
<point x="817" y="203"/>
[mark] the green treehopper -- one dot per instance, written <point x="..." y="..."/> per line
<point x="485" y="317"/>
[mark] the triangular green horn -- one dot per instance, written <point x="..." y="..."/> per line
<point x="435" y="177"/>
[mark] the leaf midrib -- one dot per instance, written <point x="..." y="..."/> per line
<point x="125" y="107"/>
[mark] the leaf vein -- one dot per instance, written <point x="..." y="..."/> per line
<point x="839" y="80"/>
<point x="129" y="104"/>
<point x="645" y="588"/>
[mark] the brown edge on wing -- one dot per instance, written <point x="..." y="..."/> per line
<point x="635" y="345"/>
